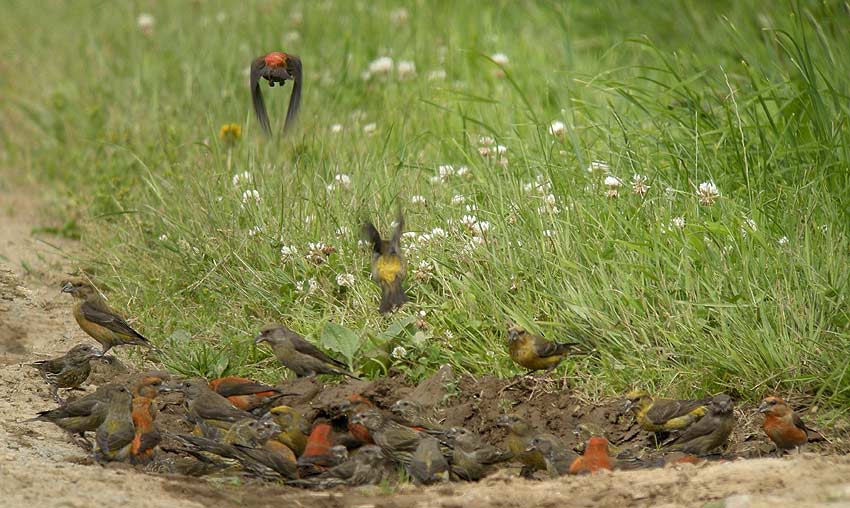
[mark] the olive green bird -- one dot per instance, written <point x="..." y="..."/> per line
<point x="98" y="320"/>
<point x="519" y="440"/>
<point x="298" y="355"/>
<point x="82" y="415"/>
<point x="557" y="457"/>
<point x="388" y="265"/>
<point x="535" y="352"/>
<point x="661" y="415"/>
<point x="472" y="458"/>
<point x="115" y="435"/>
<point x="710" y="432"/>
<point x="427" y="464"/>
<point x="207" y="409"/>
<point x="69" y="370"/>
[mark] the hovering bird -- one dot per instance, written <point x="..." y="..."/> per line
<point x="388" y="265"/>
<point x="276" y="67"/>
<point x="782" y="425"/>
<point x="99" y="321"/>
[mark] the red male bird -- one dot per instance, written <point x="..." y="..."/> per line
<point x="594" y="459"/>
<point x="244" y="393"/>
<point x="276" y="68"/>
<point x="782" y="425"/>
<point x="144" y="412"/>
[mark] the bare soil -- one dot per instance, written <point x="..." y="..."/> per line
<point x="39" y="467"/>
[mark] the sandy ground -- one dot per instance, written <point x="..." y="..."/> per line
<point x="39" y="467"/>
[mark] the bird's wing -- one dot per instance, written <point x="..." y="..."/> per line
<point x="374" y="237"/>
<point x="395" y="240"/>
<point x="799" y="423"/>
<point x="219" y="408"/>
<point x="295" y="98"/>
<point x="663" y="410"/>
<point x="109" y="320"/>
<point x="302" y="346"/>
<point x="257" y="96"/>
<point x="116" y="439"/>
<point x="544" y="347"/>
<point x="148" y="441"/>
<point x="243" y="388"/>
<point x="706" y="425"/>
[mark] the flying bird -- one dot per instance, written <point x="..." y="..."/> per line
<point x="276" y="67"/>
<point x="388" y="265"/>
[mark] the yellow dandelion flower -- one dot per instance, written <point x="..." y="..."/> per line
<point x="230" y="132"/>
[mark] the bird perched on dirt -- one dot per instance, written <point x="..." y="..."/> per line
<point x="298" y="355"/>
<point x="244" y="393"/>
<point x="353" y="404"/>
<point x="534" y="352"/>
<point x="317" y="456"/>
<point x="364" y="467"/>
<point x="520" y="437"/>
<point x="276" y="68"/>
<point x="427" y="464"/>
<point x="472" y="458"/>
<point x="294" y="430"/>
<point x="658" y="415"/>
<point x="69" y="370"/>
<point x="412" y="414"/>
<point x="595" y="457"/>
<point x="782" y="425"/>
<point x="557" y="457"/>
<point x="81" y="415"/>
<point x="710" y="432"/>
<point x="114" y="437"/>
<point x="144" y="413"/>
<point x="99" y="321"/>
<point x="388" y="264"/>
<point x="208" y="409"/>
<point x="396" y="441"/>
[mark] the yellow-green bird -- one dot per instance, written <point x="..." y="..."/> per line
<point x="519" y="440"/>
<point x="294" y="429"/>
<point x="661" y="415"/>
<point x="710" y="432"/>
<point x="115" y="435"/>
<point x="534" y="352"/>
<point x="388" y="265"/>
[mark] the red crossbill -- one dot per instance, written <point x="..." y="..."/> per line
<point x="99" y="321"/>
<point x="81" y="415"/>
<point x="294" y="430"/>
<point x="144" y="413"/>
<point x="520" y="435"/>
<point x="207" y="408"/>
<point x="317" y="456"/>
<point x="276" y="68"/>
<point x="595" y="457"/>
<point x="427" y="464"/>
<point x="244" y="393"/>
<point x="298" y="355"/>
<point x="782" y="425"/>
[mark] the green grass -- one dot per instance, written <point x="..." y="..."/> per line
<point x="752" y="96"/>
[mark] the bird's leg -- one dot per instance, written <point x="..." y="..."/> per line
<point x="779" y="452"/>
<point x="54" y="393"/>
<point x="515" y="382"/>
<point x="81" y="441"/>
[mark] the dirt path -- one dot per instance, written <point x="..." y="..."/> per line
<point x="40" y="468"/>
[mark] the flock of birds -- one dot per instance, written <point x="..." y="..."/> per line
<point x="238" y="421"/>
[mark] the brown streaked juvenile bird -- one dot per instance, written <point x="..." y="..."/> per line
<point x="364" y="467"/>
<point x="144" y="412"/>
<point x="101" y="322"/>
<point x="397" y="442"/>
<point x="472" y="458"/>
<point x="557" y="457"/>
<point x="276" y="68"/>
<point x="595" y="457"/>
<point x="69" y="370"/>
<point x="412" y="414"/>
<point x="520" y="436"/>
<point x="207" y="408"/>
<point x="660" y="415"/>
<point x="534" y="352"/>
<point x="427" y="464"/>
<point x="782" y="425"/>
<point x="294" y="430"/>
<point x="244" y="393"/>
<point x="710" y="432"/>
<point x="298" y="355"/>
<point x="81" y="415"/>
<point x="114" y="437"/>
<point x="388" y="265"/>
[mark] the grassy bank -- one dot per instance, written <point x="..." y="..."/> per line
<point x="741" y="284"/>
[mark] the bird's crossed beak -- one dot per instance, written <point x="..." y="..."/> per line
<point x="68" y="288"/>
<point x="260" y="338"/>
<point x="764" y="407"/>
<point x="628" y="405"/>
<point x="170" y="387"/>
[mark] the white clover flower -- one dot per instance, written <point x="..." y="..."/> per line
<point x="548" y="233"/>
<point x="254" y="231"/>
<point x="245" y="176"/>
<point x="472" y="244"/>
<point x="458" y="199"/>
<point x="783" y="241"/>
<point x="146" y="22"/>
<point x="669" y="192"/>
<point x="250" y="195"/>
<point x="345" y="280"/>
<point x="439" y="232"/>
<point x="500" y="58"/>
<point x="677" y="222"/>
<point x="468" y="220"/>
<point x="707" y="193"/>
<point x="423" y="271"/>
<point x="471" y="207"/>
<point x="362" y="244"/>
<point x="480" y="228"/>
<point x="449" y="335"/>
<point x="406" y="69"/>
<point x="500" y="149"/>
<point x="550" y="199"/>
<point x="370" y="128"/>
<point x="341" y="181"/>
<point x="597" y="166"/>
<point x="558" y="128"/>
<point x="639" y="185"/>
<point x="424" y="238"/>
<point x="318" y="252"/>
<point x="409" y="235"/>
<point x="398" y="352"/>
<point x="163" y="237"/>
<point x="287" y="253"/>
<point x="308" y="286"/>
<point x="336" y="128"/>
<point x="612" y="182"/>
<point x="422" y="313"/>
<point x="342" y="231"/>
<point x="486" y="141"/>
<point x="445" y="171"/>
<point x="437" y="75"/>
<point x="417" y="200"/>
<point x="462" y="171"/>
<point x="382" y="65"/>
<point x="399" y="16"/>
